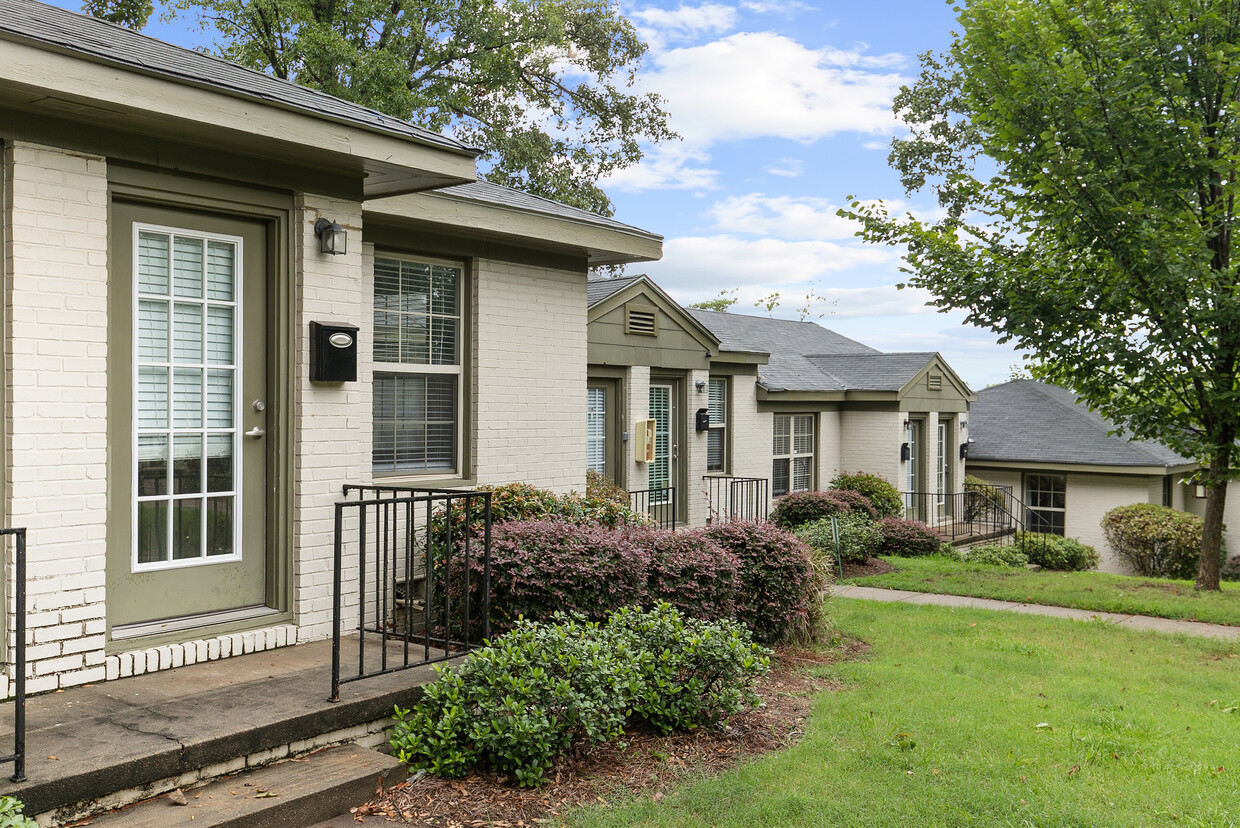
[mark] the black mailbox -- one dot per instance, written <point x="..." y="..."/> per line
<point x="333" y="352"/>
<point x="703" y="419"/>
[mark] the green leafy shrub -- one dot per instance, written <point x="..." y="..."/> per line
<point x="860" y="538"/>
<point x="600" y="487"/>
<point x="690" y="673"/>
<point x="1056" y="552"/>
<point x="994" y="554"/>
<point x="1155" y="540"/>
<point x="543" y="689"/>
<point x="906" y="538"/>
<point x="689" y="571"/>
<point x="884" y="496"/>
<point x="780" y="597"/>
<point x="523" y="502"/>
<point x="11" y="814"/>
<point x="981" y="499"/>
<point x="539" y="567"/>
<point x="952" y="553"/>
<point x="799" y="508"/>
<point x="1231" y="569"/>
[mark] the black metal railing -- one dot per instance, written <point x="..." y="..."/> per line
<point x="736" y="498"/>
<point x="19" y="656"/>
<point x="658" y="503"/>
<point x="991" y="514"/>
<point x="412" y="571"/>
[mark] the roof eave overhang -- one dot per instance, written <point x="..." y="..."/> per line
<point x="51" y="80"/>
<point x="743" y="357"/>
<point x="600" y="245"/>
<point x="1080" y="468"/>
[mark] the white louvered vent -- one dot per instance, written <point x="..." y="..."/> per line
<point x="641" y="322"/>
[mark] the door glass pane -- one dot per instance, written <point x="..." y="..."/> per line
<point x="152" y="531"/>
<point x="219" y="335"/>
<point x="152" y="465"/>
<point x="152" y="397"/>
<point x="152" y="331"/>
<point x="186" y="529"/>
<point x="219" y="399"/>
<point x="187" y="397"/>
<point x="659" y="473"/>
<point x="596" y="430"/>
<point x="153" y="263"/>
<point x="219" y="526"/>
<point x="221" y="270"/>
<point x="187" y="333"/>
<point x="220" y="463"/>
<point x="187" y="464"/>
<point x="187" y="267"/>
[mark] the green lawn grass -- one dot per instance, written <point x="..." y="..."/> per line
<point x="967" y="717"/>
<point x="1084" y="590"/>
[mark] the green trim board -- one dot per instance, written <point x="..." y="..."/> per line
<point x="416" y="238"/>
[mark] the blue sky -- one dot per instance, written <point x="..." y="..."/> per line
<point x="785" y="109"/>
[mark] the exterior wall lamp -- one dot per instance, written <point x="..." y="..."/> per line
<point x="700" y="385"/>
<point x="906" y="453"/>
<point x="333" y="239"/>
<point x="964" y="449"/>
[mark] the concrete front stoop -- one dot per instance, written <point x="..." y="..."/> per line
<point x="97" y="748"/>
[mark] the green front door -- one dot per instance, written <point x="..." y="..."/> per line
<point x="187" y="412"/>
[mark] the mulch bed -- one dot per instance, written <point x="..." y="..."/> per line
<point x="648" y="766"/>
<point x="872" y="566"/>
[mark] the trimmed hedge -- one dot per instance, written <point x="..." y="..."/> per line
<point x="907" y="538"/>
<point x="860" y="538"/>
<point x="1056" y="552"/>
<point x="544" y="689"/>
<point x="884" y="496"/>
<point x="1156" y="540"/>
<point x="994" y="554"/>
<point x="691" y="572"/>
<point x="780" y="596"/>
<point x="799" y="508"/>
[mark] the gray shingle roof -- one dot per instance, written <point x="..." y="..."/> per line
<point x="1035" y="422"/>
<point x="76" y="33"/>
<point x="871" y="372"/>
<point x="488" y="193"/>
<point x="599" y="289"/>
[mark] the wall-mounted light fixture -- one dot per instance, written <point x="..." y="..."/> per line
<point x="906" y="453"/>
<point x="906" y="422"/>
<point x="700" y="385"/>
<point x="964" y="449"/>
<point x="964" y="423"/>
<point x="333" y="239"/>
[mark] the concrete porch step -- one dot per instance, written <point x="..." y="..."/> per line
<point x="292" y="794"/>
<point x="96" y="748"/>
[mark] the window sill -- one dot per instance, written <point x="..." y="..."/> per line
<point x="422" y="481"/>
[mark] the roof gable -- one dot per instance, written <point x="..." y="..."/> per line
<point x="604" y="296"/>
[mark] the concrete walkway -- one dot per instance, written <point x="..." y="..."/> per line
<point x="1136" y="622"/>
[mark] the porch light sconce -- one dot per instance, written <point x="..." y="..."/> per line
<point x="906" y="422"/>
<point x="964" y="449"/>
<point x="333" y="239"/>
<point x="700" y="385"/>
<point x="905" y="453"/>
<point x="964" y="423"/>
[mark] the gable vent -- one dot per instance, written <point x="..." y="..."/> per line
<point x="640" y="322"/>
<point x="934" y="382"/>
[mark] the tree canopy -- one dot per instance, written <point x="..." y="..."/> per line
<point x="545" y="88"/>
<point x="1083" y="155"/>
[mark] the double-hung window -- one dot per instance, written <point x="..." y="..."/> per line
<point x="716" y="434"/>
<point x="417" y="366"/>
<point x="793" y="466"/>
<point x="1046" y="497"/>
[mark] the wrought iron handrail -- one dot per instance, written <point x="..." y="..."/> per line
<point x="993" y="514"/>
<point x="663" y="498"/>
<point x="19" y="646"/>
<point x="387" y="523"/>
<point x="736" y="498"/>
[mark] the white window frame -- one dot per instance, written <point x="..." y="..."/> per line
<point x="1061" y="510"/>
<point x="236" y="493"/>
<point x="721" y="427"/>
<point x="457" y="370"/>
<point x="940" y="465"/>
<point x="793" y="454"/>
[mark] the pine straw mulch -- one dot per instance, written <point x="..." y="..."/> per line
<point x="648" y="765"/>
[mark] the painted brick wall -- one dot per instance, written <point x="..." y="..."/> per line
<point x="529" y="380"/>
<point x="870" y="441"/>
<point x="332" y="439"/>
<point x="693" y="452"/>
<point x="637" y="384"/>
<point x="750" y="440"/>
<point x="56" y="345"/>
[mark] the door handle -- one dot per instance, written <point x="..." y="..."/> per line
<point x="257" y="432"/>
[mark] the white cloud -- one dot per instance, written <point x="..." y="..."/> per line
<point x="786" y="167"/>
<point x="673" y="166"/>
<point x="876" y="145"/>
<point x="788" y="217"/>
<point x="753" y="85"/>
<point x="784" y="7"/>
<point x="660" y="27"/>
<point x="702" y="265"/>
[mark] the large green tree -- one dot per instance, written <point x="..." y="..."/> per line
<point x="543" y="87"/>
<point x="1084" y="156"/>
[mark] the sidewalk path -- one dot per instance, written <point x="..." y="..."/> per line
<point x="1136" y="622"/>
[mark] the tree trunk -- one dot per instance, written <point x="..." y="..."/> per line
<point x="1212" y="527"/>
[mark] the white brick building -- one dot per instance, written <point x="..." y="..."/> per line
<point x="166" y="444"/>
<point x="749" y="408"/>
